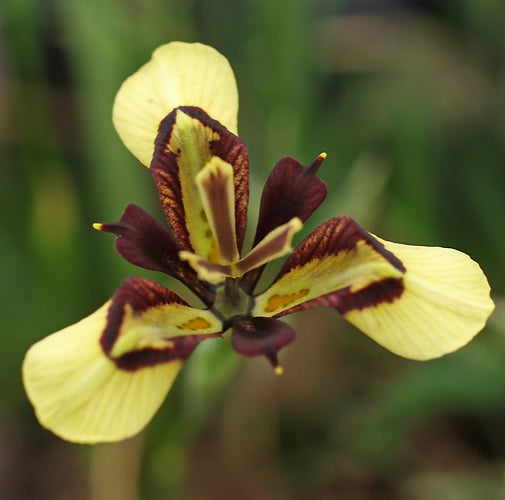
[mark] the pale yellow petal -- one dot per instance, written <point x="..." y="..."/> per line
<point x="418" y="302"/>
<point x="80" y="394"/>
<point x="444" y="305"/>
<point x="179" y="74"/>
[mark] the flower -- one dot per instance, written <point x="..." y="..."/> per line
<point x="103" y="378"/>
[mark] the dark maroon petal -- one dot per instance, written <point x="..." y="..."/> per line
<point x="291" y="190"/>
<point x="165" y="171"/>
<point x="261" y="337"/>
<point x="141" y="295"/>
<point x="144" y="242"/>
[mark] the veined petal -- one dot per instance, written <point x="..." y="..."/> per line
<point x="188" y="139"/>
<point x="81" y="395"/>
<point x="261" y="337"/>
<point x="144" y="242"/>
<point x="291" y="190"/>
<point x="178" y="74"/>
<point x="418" y="302"/>
<point x="445" y="304"/>
<point x="103" y="378"/>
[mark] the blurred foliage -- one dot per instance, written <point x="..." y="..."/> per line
<point x="408" y="100"/>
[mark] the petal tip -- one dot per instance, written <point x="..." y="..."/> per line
<point x="314" y="166"/>
<point x="278" y="370"/>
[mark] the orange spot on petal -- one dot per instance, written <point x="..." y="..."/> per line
<point x="195" y="324"/>
<point x="281" y="301"/>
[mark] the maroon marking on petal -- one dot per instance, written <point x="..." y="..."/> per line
<point x="291" y="190"/>
<point x="140" y="294"/>
<point x="261" y="337"/>
<point x="181" y="349"/>
<point x="379" y="292"/>
<point x="165" y="172"/>
<point x="144" y="242"/>
<point x="332" y="237"/>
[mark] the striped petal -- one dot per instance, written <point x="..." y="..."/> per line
<point x="189" y="140"/>
<point x="178" y="74"/>
<point x="103" y="378"/>
<point x="418" y="302"/>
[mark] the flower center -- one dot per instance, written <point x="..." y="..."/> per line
<point x="231" y="301"/>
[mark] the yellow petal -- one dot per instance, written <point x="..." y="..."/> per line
<point x="83" y="395"/>
<point x="80" y="395"/>
<point x="418" y="302"/>
<point x="445" y="304"/>
<point x="178" y="74"/>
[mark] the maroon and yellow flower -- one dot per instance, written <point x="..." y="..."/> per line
<point x="103" y="378"/>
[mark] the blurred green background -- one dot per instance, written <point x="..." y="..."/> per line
<point x="408" y="100"/>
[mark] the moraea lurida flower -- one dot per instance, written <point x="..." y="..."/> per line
<point x="103" y="378"/>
